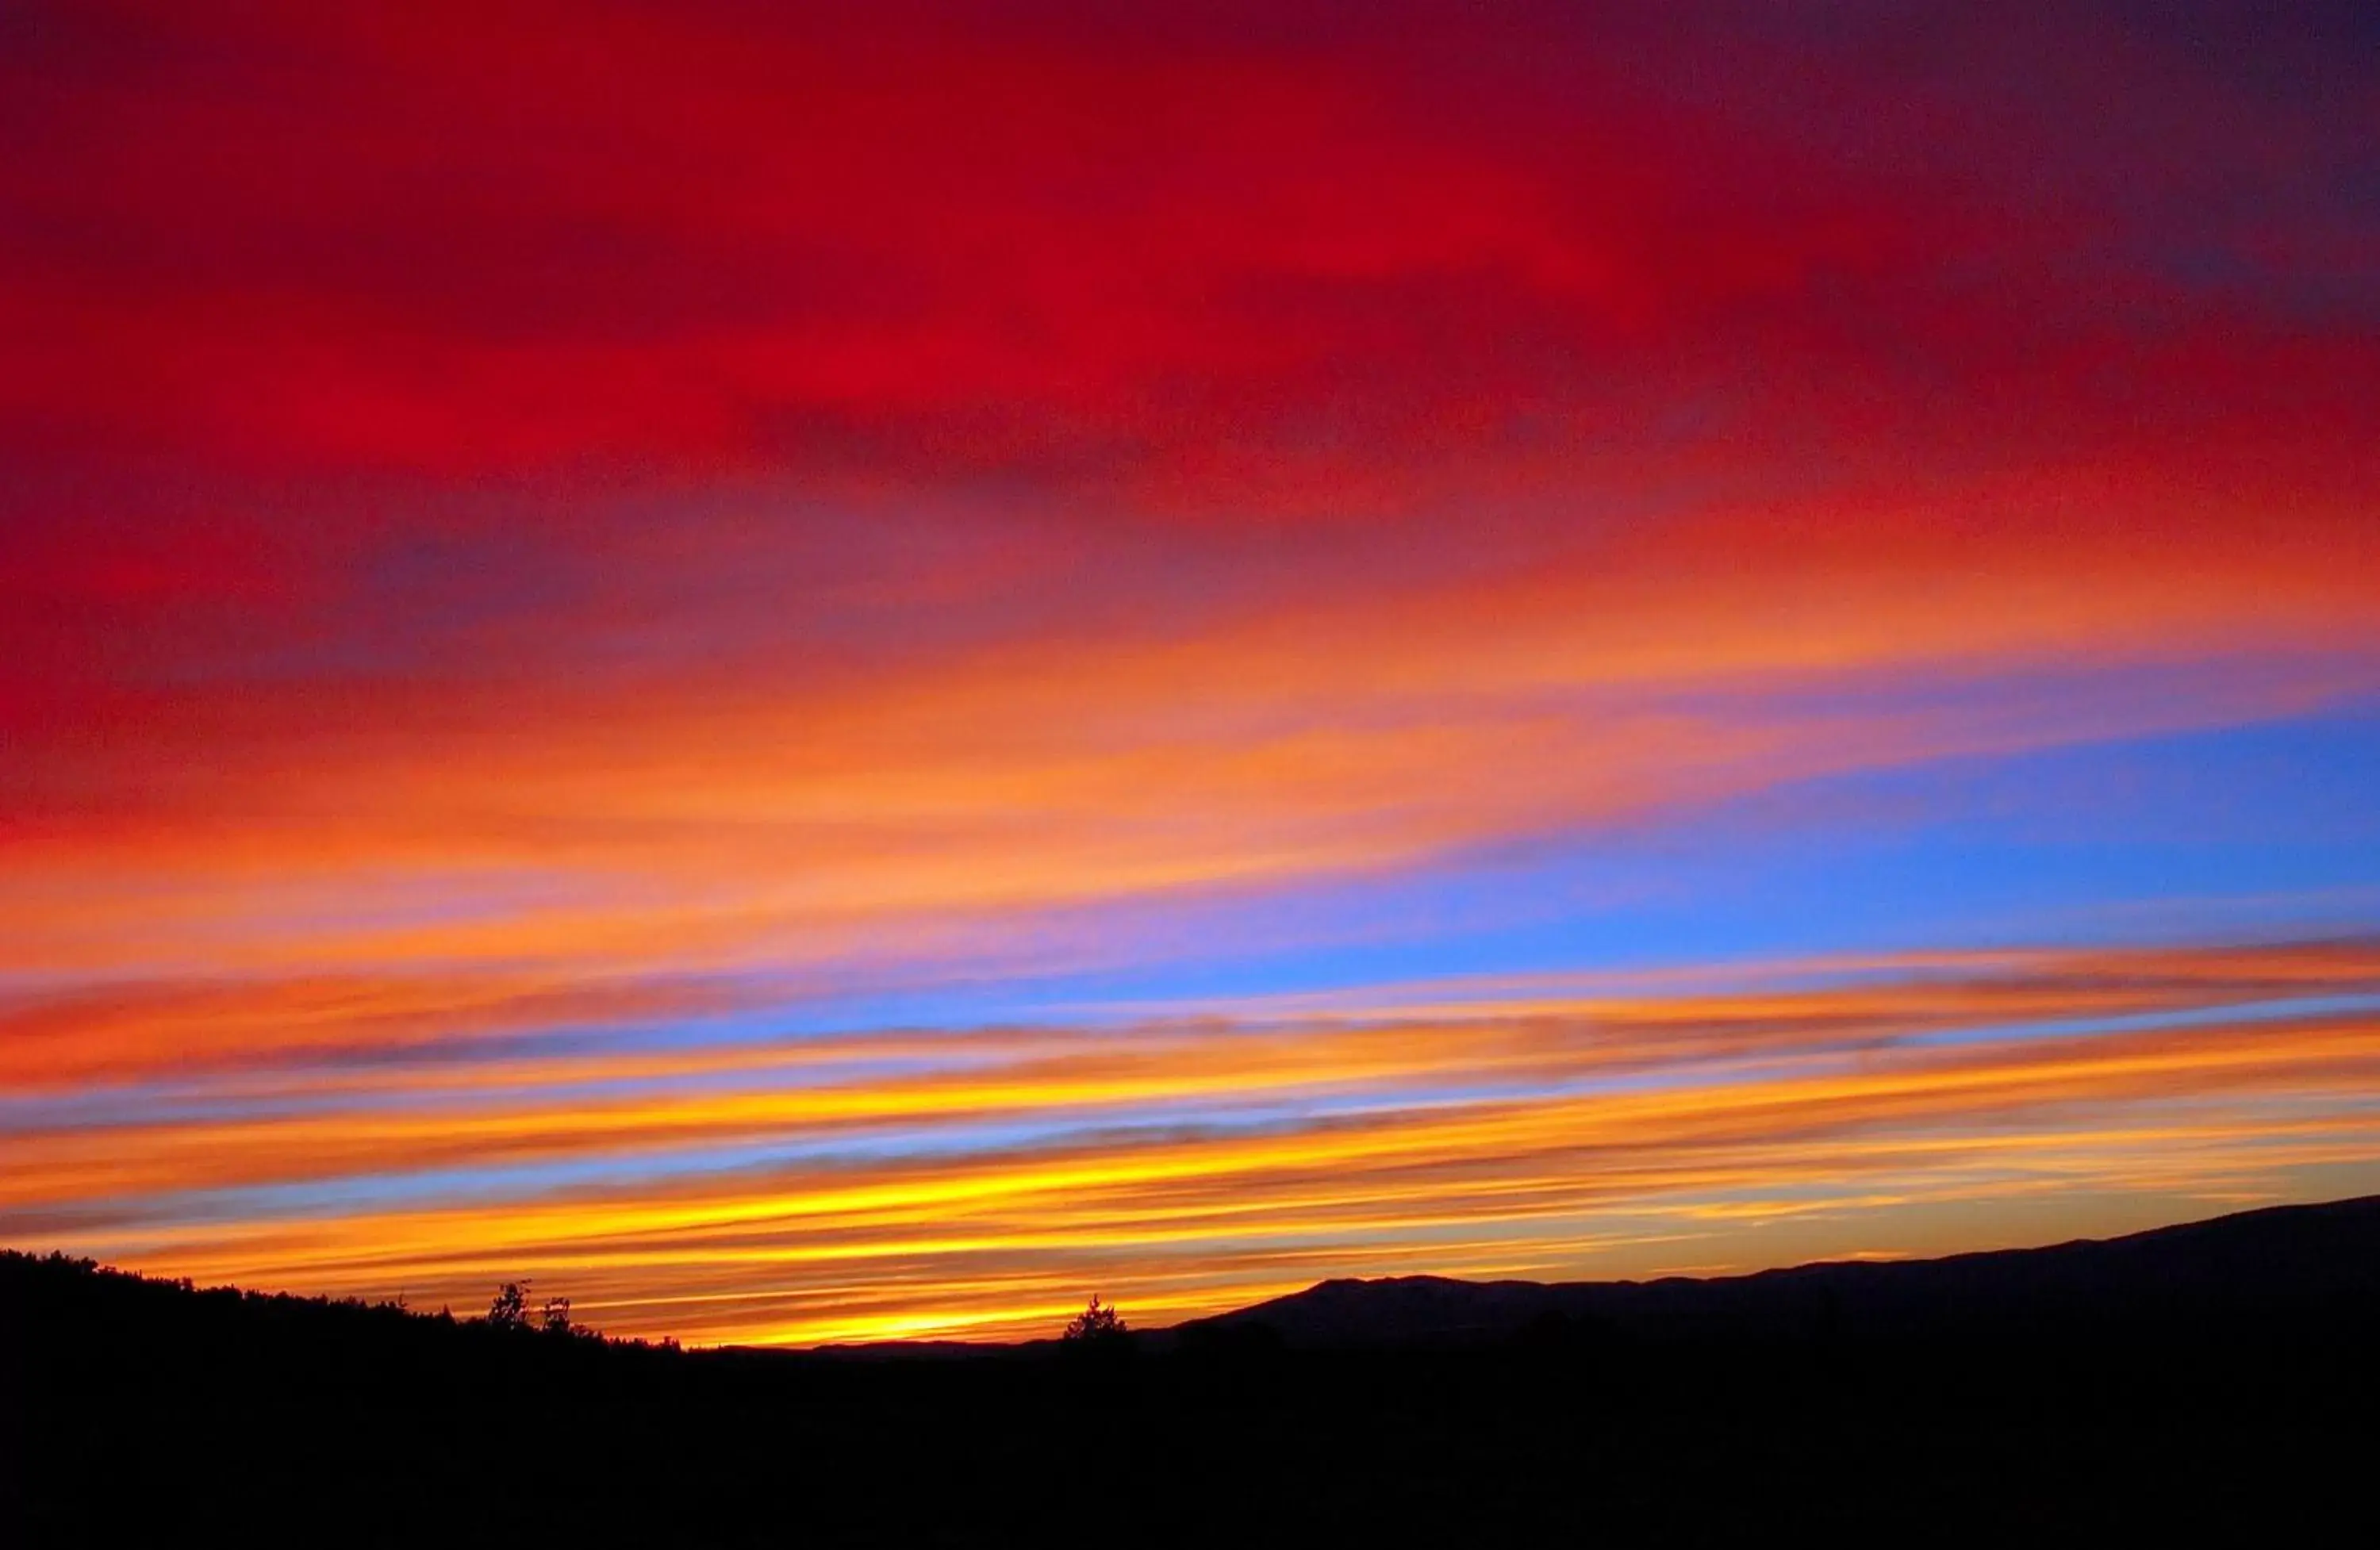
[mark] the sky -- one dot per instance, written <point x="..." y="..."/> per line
<point x="833" y="673"/>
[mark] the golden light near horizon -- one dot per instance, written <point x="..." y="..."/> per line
<point x="824" y="678"/>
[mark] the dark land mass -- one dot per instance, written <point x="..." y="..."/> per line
<point x="2319" y="1262"/>
<point x="2209" y="1382"/>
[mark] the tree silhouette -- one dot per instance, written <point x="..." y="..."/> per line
<point x="1098" y="1322"/>
<point x="510" y="1309"/>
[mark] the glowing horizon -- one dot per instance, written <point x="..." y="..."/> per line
<point x="819" y="678"/>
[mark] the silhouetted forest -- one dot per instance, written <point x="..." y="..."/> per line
<point x="2213" y="1381"/>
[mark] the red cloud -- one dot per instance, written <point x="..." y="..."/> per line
<point x="459" y="241"/>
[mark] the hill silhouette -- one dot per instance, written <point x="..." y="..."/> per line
<point x="2212" y="1379"/>
<point x="2318" y="1263"/>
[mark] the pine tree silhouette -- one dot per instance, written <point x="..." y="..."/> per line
<point x="1098" y="1322"/>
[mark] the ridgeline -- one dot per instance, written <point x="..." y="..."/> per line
<point x="2210" y="1379"/>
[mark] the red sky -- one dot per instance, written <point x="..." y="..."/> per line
<point x="522" y="519"/>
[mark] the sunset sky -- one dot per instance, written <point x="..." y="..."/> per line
<point x="834" y="672"/>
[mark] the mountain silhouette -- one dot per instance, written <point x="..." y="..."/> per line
<point x="2318" y="1262"/>
<point x="2204" y="1382"/>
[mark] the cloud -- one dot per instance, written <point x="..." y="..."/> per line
<point x="707" y="479"/>
<point x="537" y="535"/>
<point x="1171" y="260"/>
<point x="1199" y="1162"/>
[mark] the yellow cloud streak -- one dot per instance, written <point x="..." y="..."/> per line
<point x="1798" y="1120"/>
<point x="495" y="1112"/>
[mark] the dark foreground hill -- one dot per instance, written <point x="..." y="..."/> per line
<point x="2212" y="1382"/>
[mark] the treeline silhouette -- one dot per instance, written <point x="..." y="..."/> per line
<point x="144" y="1410"/>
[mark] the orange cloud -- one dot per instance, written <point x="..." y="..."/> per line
<point x="733" y="817"/>
<point x="533" y="539"/>
<point x="1193" y="1166"/>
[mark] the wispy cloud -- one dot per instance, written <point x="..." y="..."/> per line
<point x="963" y="1181"/>
<point x="550" y="554"/>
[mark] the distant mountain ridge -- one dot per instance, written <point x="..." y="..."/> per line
<point x="2204" y="1384"/>
<point x="2320" y="1262"/>
<point x="2300" y="1271"/>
